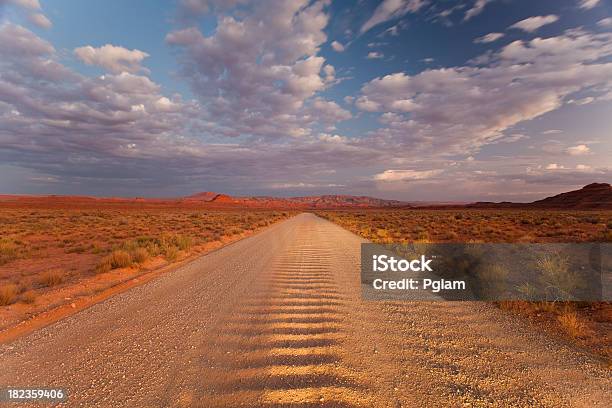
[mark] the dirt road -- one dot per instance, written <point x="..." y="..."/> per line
<point x="277" y="320"/>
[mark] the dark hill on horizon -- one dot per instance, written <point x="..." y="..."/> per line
<point x="592" y="196"/>
<point x="595" y="195"/>
<point x="319" y="201"/>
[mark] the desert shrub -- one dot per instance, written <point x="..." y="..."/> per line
<point x="9" y="251"/>
<point x="28" y="297"/>
<point x="182" y="242"/>
<point x="423" y="236"/>
<point x="573" y="324"/>
<point x="8" y="294"/>
<point x="171" y="253"/>
<point x="528" y="291"/>
<point x="51" y="278"/>
<point x="139" y="255"/>
<point x="234" y="231"/>
<point x="492" y="281"/>
<point x="120" y="259"/>
<point x="548" y="307"/>
<point x="450" y="236"/>
<point x="590" y="219"/>
<point x="104" y="265"/>
<point x="558" y="281"/>
<point x="77" y="249"/>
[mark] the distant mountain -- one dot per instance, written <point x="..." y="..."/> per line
<point x="591" y="196"/>
<point x="322" y="201"/>
<point x="204" y="196"/>
<point x="595" y="195"/>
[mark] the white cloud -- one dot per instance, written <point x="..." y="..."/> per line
<point x="89" y="132"/>
<point x="191" y="9"/>
<point x="299" y="185"/>
<point x="112" y="58"/>
<point x="583" y="167"/>
<point x="532" y="24"/>
<point x="365" y="104"/>
<point x="457" y="110"/>
<point x="391" y="9"/>
<point x="405" y="175"/>
<point x="605" y="22"/>
<point x="551" y="131"/>
<point x="32" y="10"/>
<point x="257" y="71"/>
<point x="578" y="150"/>
<point x="554" y="166"/>
<point x="489" y="38"/>
<point x="374" y="55"/>
<point x="20" y="42"/>
<point x="28" y="4"/>
<point x="321" y="110"/>
<point x="582" y="101"/>
<point x="476" y="9"/>
<point x="588" y="4"/>
<point x="515" y="137"/>
<point x="336" y="46"/>
<point x="260" y="117"/>
<point x="40" y="20"/>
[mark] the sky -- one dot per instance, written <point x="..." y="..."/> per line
<point x="447" y="100"/>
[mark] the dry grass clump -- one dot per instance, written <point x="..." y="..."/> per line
<point x="557" y="279"/>
<point x="51" y="278"/>
<point x="182" y="242"/>
<point x="574" y="325"/>
<point x="493" y="281"/>
<point x="120" y="259"/>
<point x="105" y="265"/>
<point x="8" y="251"/>
<point x="139" y="255"/>
<point x="171" y="253"/>
<point x="28" y="297"/>
<point x="8" y="294"/>
<point x="116" y="259"/>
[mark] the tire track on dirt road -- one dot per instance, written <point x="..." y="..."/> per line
<point x="284" y="345"/>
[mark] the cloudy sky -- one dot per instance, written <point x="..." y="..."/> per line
<point x="406" y="99"/>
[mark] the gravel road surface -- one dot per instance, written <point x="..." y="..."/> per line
<point x="276" y="320"/>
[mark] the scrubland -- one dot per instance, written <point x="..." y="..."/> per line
<point x="586" y="323"/>
<point x="49" y="257"/>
